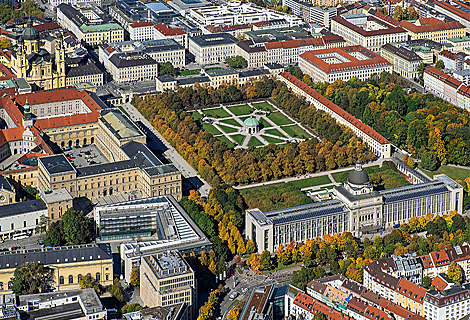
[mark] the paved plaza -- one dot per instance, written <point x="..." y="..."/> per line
<point x="251" y="124"/>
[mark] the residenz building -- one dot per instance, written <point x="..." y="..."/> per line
<point x="353" y="207"/>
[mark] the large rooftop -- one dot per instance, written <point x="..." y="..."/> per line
<point x="55" y="255"/>
<point x="217" y="39"/>
<point x="120" y="125"/>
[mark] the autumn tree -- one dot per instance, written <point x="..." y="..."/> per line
<point x="439" y="65"/>
<point x="411" y="14"/>
<point x="398" y="13"/>
<point x="233" y="314"/>
<point x="250" y="246"/>
<point x="88" y="281"/>
<point x="135" y="276"/>
<point x="454" y="272"/>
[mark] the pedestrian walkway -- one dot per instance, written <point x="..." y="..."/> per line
<point x="310" y="175"/>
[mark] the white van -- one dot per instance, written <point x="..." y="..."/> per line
<point x="20" y="236"/>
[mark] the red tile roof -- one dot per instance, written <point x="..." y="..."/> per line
<point x="430" y="25"/>
<point x="365" y="33"/>
<point x="47" y="26"/>
<point x="374" y="59"/>
<point x="427" y="261"/>
<point x="318" y="42"/>
<point x="168" y="32"/>
<point x="396" y="309"/>
<point x="13" y="134"/>
<point x="70" y="120"/>
<point x="444" y="77"/>
<point x="384" y="17"/>
<point x="5" y="72"/>
<point x="334" y="108"/>
<point x="411" y="290"/>
<point x="439" y="283"/>
<point x="12" y="110"/>
<point x="141" y="24"/>
<point x="374" y="313"/>
<point x="58" y="95"/>
<point x="449" y="7"/>
<point x="314" y="306"/>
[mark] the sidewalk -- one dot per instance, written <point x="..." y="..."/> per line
<point x="309" y="175"/>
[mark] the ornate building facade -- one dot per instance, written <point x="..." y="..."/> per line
<point x="38" y="66"/>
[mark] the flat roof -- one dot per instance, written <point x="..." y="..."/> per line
<point x="56" y="195"/>
<point x="56" y="164"/>
<point x="216" y="39"/>
<point x="120" y="125"/>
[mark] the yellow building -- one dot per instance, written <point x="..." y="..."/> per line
<point x="132" y="165"/>
<point x="36" y="65"/>
<point x="57" y="202"/>
<point x="410" y="296"/>
<point x="433" y="29"/>
<point x="69" y="263"/>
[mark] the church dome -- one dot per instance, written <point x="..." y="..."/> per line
<point x="358" y="176"/>
<point x="30" y="33"/>
<point x="251" y="122"/>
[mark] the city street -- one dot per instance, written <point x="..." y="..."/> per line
<point x="169" y="152"/>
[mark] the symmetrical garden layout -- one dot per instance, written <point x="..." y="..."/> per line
<point x="251" y="124"/>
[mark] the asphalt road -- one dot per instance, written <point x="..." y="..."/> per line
<point x="158" y="142"/>
<point x="28" y="243"/>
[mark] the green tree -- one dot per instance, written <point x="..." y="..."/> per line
<point x="458" y="223"/>
<point x="237" y="62"/>
<point x="77" y="227"/>
<point x="429" y="161"/>
<point x="88" y="281"/>
<point x="166" y="69"/>
<point x="454" y="272"/>
<point x="55" y="234"/>
<point x="32" y="277"/>
<point x="135" y="277"/>
<point x="135" y="306"/>
<point x="439" y="65"/>
<point x="42" y="225"/>
<point x="426" y="282"/>
<point x="319" y="316"/>
<point x="116" y="290"/>
<point x="266" y="261"/>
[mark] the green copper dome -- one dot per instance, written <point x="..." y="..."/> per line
<point x="251" y="122"/>
<point x="30" y="33"/>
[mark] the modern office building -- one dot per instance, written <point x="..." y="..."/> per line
<point x="70" y="264"/>
<point x="166" y="279"/>
<point x="259" y="305"/>
<point x="355" y="207"/>
<point x="329" y="65"/>
<point x="175" y="312"/>
<point x="76" y="304"/>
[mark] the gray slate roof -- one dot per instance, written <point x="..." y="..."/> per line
<point x="56" y="255"/>
<point x="22" y="207"/>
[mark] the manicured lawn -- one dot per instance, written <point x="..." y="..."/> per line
<point x="238" y="138"/>
<point x="263" y="106"/>
<point x="254" y="142"/>
<point x="224" y="138"/>
<point x="275" y="132"/>
<point x="273" y="197"/>
<point x="210" y="128"/>
<point x="380" y="178"/>
<point x="343" y="176"/>
<point x="272" y="140"/>
<point x="189" y="72"/>
<point x="310" y="182"/>
<point x="264" y="123"/>
<point x="279" y="119"/>
<point x="296" y="132"/>
<point x="452" y="172"/>
<point x="228" y="129"/>
<point x="216" y="113"/>
<point x="232" y="122"/>
<point x="241" y="110"/>
<point x="214" y="68"/>
<point x="196" y="115"/>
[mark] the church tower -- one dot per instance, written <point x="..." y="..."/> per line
<point x="28" y="116"/>
<point x="31" y="38"/>
<point x="60" y="62"/>
<point x="21" y="65"/>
